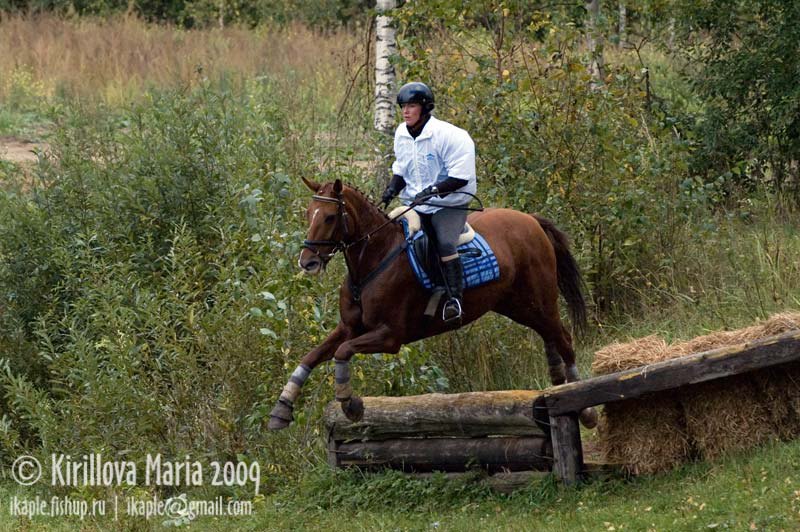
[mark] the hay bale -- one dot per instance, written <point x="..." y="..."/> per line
<point x="657" y="432"/>
<point x="646" y="435"/>
<point x="621" y="356"/>
<point x="726" y="415"/>
<point x="775" y="324"/>
<point x="780" y="393"/>
<point x="651" y="349"/>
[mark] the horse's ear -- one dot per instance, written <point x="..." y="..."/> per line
<point x="337" y="186"/>
<point x="313" y="185"/>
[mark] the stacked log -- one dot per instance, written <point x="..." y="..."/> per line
<point x="493" y="431"/>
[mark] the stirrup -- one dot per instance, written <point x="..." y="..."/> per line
<point x="450" y="303"/>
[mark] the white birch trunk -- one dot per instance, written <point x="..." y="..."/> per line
<point x="671" y="38"/>
<point x="623" y="24"/>
<point x="385" y="46"/>
<point x="594" y="42"/>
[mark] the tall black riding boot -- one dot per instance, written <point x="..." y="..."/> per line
<point x="454" y="279"/>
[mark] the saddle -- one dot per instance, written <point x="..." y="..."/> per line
<point x="478" y="259"/>
<point x="423" y="248"/>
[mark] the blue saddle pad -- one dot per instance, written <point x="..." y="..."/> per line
<point x="477" y="270"/>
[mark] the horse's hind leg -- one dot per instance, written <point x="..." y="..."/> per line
<point x="557" y="347"/>
<point x="562" y="344"/>
<point x="557" y="341"/>
<point x="555" y="364"/>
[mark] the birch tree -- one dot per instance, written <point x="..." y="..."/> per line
<point x="385" y="47"/>
<point x="594" y="42"/>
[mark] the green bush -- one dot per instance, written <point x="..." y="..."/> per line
<point x="145" y="284"/>
<point x="152" y="301"/>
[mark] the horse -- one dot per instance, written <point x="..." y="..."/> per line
<point x="381" y="303"/>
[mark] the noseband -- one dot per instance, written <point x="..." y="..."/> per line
<point x="341" y="220"/>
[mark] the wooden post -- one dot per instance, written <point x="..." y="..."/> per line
<point x="567" y="450"/>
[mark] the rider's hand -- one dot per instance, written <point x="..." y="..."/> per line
<point x="427" y="193"/>
<point x="388" y="196"/>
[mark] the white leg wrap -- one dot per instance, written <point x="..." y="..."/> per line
<point x="296" y="381"/>
<point x="572" y="373"/>
<point x="290" y="391"/>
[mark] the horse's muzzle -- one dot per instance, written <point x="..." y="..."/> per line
<point x="311" y="263"/>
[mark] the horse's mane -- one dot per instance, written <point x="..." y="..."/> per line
<point x="367" y="198"/>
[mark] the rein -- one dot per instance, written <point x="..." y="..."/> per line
<point x="342" y="245"/>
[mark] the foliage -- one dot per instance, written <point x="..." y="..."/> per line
<point x="138" y="281"/>
<point x="604" y="161"/>
<point x="746" y="69"/>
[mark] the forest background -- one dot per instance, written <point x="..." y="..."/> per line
<point x="150" y="300"/>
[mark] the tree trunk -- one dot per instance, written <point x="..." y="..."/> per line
<point x="385" y="47"/>
<point x="623" y="24"/>
<point x="594" y="42"/>
<point x="671" y="38"/>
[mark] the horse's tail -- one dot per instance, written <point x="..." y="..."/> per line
<point x="570" y="282"/>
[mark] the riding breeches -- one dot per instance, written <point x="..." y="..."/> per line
<point x="445" y="225"/>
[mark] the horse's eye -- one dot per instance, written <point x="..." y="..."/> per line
<point x="329" y="219"/>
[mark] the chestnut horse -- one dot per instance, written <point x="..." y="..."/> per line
<point x="381" y="303"/>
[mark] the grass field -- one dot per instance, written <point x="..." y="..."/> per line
<point x="759" y="490"/>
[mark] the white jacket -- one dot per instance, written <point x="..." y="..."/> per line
<point x="442" y="150"/>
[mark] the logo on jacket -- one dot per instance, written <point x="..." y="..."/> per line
<point x="429" y="156"/>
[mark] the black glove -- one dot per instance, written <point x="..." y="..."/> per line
<point x="427" y="193"/>
<point x="388" y="196"/>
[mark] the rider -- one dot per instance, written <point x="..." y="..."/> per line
<point x="433" y="159"/>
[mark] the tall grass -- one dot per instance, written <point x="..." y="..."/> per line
<point x="116" y="59"/>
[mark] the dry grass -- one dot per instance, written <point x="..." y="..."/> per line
<point x="117" y="58"/>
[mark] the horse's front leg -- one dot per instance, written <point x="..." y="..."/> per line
<point x="281" y="415"/>
<point x="380" y="340"/>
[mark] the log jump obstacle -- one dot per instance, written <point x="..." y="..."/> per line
<point x="495" y="431"/>
<point x="522" y="430"/>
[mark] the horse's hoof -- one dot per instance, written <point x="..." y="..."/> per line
<point x="558" y="374"/>
<point x="588" y="418"/>
<point x="276" y="423"/>
<point x="353" y="408"/>
<point x="280" y="417"/>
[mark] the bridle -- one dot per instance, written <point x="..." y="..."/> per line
<point x="343" y="244"/>
<point x="341" y="220"/>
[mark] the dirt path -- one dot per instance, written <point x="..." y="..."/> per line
<point x="19" y="150"/>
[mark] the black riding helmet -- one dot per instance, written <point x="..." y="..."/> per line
<point x="416" y="92"/>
